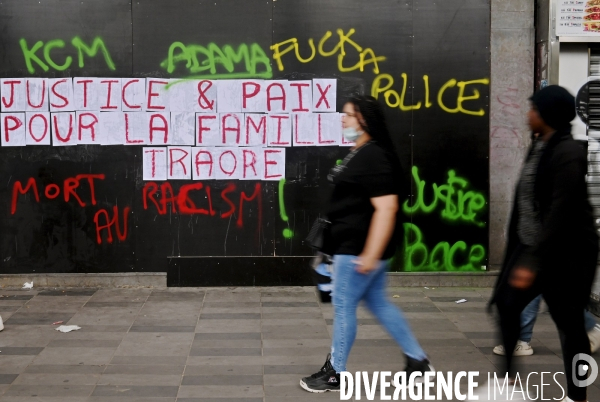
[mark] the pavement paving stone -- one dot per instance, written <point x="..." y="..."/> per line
<point x="231" y="344"/>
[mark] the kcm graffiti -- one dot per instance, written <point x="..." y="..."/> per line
<point x="31" y="54"/>
<point x="457" y="202"/>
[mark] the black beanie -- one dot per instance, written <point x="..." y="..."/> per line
<point x="555" y="105"/>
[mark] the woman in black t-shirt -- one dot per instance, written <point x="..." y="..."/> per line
<point x="362" y="211"/>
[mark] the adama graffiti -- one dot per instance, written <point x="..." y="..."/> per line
<point x="52" y="191"/>
<point x="216" y="62"/>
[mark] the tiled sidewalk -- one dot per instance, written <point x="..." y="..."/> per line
<point x="222" y="344"/>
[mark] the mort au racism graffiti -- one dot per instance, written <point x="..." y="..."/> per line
<point x="181" y="134"/>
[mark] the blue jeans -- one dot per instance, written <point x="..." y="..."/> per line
<point x="349" y="288"/>
<point x="529" y="315"/>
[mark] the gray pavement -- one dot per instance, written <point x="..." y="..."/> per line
<point x="230" y="344"/>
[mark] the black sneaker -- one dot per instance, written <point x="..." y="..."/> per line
<point x="324" y="380"/>
<point x="421" y="366"/>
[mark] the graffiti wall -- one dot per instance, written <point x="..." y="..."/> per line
<point x="196" y="139"/>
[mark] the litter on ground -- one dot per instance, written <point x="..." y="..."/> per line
<point x="68" y="328"/>
<point x="461" y="301"/>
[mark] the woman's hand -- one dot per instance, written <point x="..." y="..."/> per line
<point x="365" y="264"/>
<point x="521" y="278"/>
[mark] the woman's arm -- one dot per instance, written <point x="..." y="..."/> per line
<point x="381" y="229"/>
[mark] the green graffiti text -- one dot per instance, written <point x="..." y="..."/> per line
<point x="215" y="62"/>
<point x="459" y="203"/>
<point x="31" y="56"/>
<point x="443" y="257"/>
<point x="287" y="232"/>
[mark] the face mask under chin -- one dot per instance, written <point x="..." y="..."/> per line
<point x="351" y="134"/>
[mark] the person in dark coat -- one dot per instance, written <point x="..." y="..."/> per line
<point x="552" y="241"/>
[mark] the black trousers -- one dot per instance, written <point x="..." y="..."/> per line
<point x="565" y="302"/>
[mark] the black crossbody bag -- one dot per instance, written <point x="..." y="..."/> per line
<point x="316" y="236"/>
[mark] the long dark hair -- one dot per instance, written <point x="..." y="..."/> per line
<point x="374" y="124"/>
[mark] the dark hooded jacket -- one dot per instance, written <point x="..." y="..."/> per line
<point x="566" y="249"/>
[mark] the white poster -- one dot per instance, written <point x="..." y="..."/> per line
<point x="324" y="95"/>
<point x="279" y="130"/>
<point x="274" y="162"/>
<point x="203" y="163"/>
<point x="208" y="129"/>
<point x="253" y="165"/>
<point x="133" y="94"/>
<point x="36" y="94"/>
<point x="12" y="95"/>
<point x="63" y="126"/>
<point x="179" y="163"/>
<point x="256" y="129"/>
<point x="12" y="129"/>
<point x="277" y="96"/>
<point x="300" y="96"/>
<point x="112" y="128"/>
<point x="88" y="127"/>
<point x="60" y="94"/>
<point x="110" y="95"/>
<point x="229" y="96"/>
<point x="328" y="127"/>
<point x="157" y="95"/>
<point x="343" y="141"/>
<point x="37" y="128"/>
<point x="205" y="96"/>
<point x="228" y="163"/>
<point x="254" y="98"/>
<point x="232" y="128"/>
<point x="86" y="93"/>
<point x="155" y="163"/>
<point x="303" y="129"/>
<point x="183" y="128"/>
<point x="135" y="127"/>
<point x="158" y="128"/>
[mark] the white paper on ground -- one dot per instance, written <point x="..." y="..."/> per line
<point x="461" y="301"/>
<point x="68" y="328"/>
<point x="28" y="285"/>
